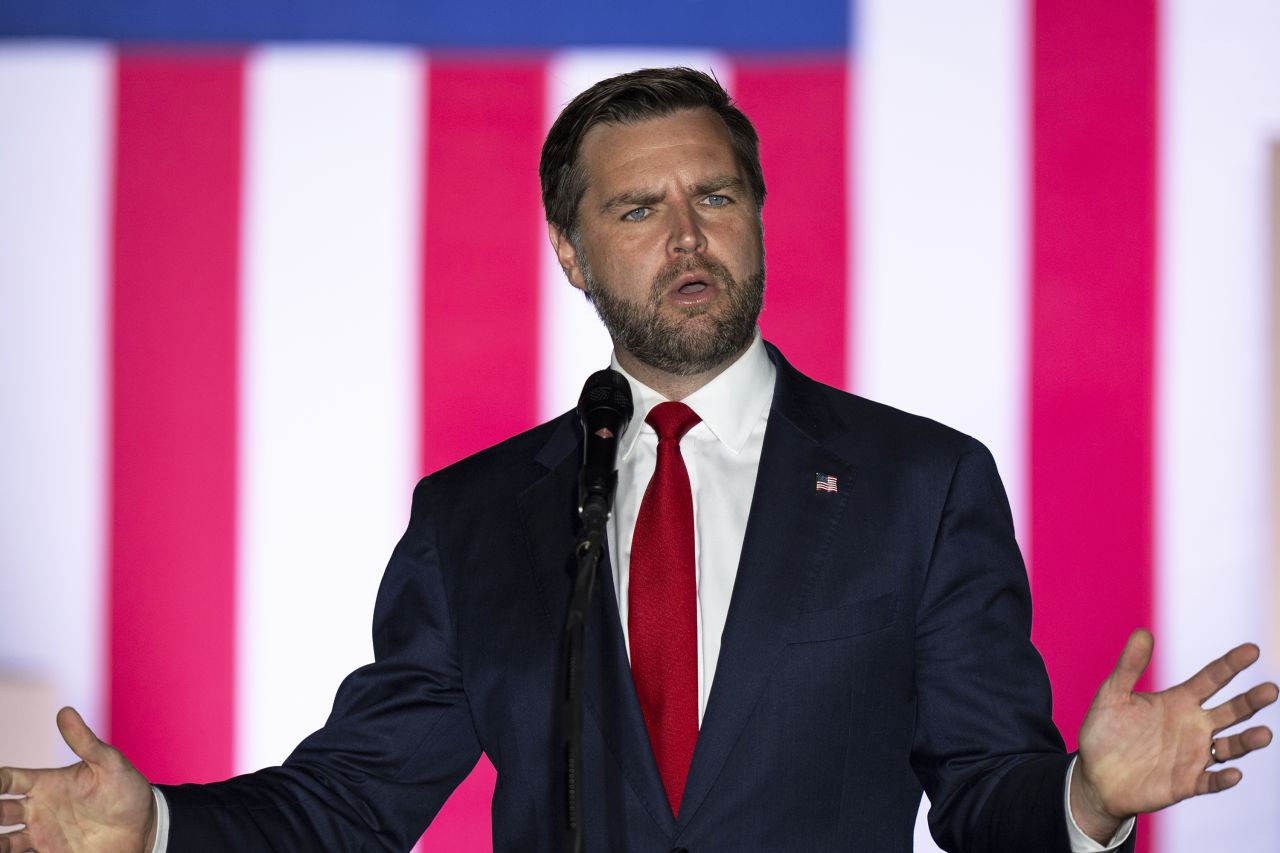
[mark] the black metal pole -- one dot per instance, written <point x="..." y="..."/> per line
<point x="589" y="547"/>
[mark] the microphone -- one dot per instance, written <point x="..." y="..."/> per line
<point x="605" y="410"/>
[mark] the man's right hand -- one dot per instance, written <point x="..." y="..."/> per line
<point x="102" y="803"/>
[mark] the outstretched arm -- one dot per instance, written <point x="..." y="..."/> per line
<point x="1142" y="752"/>
<point x="101" y="803"/>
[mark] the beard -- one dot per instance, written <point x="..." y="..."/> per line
<point x="702" y="338"/>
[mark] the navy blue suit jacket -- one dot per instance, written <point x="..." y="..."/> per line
<point x="877" y="642"/>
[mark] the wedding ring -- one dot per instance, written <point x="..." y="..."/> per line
<point x="1213" y="752"/>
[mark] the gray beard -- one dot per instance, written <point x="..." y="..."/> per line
<point x="680" y="349"/>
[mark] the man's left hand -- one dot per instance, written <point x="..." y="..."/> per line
<point x="1141" y="752"/>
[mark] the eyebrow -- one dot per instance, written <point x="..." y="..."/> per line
<point x="631" y="198"/>
<point x="643" y="198"/>
<point x="713" y="185"/>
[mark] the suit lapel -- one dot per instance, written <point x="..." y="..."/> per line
<point x="550" y="523"/>
<point x="788" y="537"/>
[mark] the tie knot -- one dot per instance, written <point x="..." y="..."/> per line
<point x="672" y="420"/>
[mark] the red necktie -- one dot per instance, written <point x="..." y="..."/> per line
<point x="662" y="621"/>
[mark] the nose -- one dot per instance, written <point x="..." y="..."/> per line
<point x="687" y="236"/>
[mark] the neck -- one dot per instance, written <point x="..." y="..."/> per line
<point x="673" y="386"/>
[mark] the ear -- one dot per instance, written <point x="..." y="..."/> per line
<point x="567" y="255"/>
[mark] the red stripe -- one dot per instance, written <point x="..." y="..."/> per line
<point x="481" y="255"/>
<point x="799" y="109"/>
<point x="1093" y="337"/>
<point x="173" y="414"/>
<point x="479" y="300"/>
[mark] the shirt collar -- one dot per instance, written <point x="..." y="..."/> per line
<point x="730" y="405"/>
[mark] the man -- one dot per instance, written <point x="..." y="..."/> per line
<point x="815" y="605"/>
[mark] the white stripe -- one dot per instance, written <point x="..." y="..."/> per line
<point x="1220" y="111"/>
<point x="56" y="108"/>
<point x="940" y="222"/>
<point x="329" y="379"/>
<point x="940" y="218"/>
<point x="573" y="342"/>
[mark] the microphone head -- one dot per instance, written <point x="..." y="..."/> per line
<point x="605" y="410"/>
<point x="608" y="393"/>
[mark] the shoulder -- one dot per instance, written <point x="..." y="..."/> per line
<point x="860" y="429"/>
<point x="510" y="466"/>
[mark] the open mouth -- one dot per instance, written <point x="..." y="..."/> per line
<point x="693" y="288"/>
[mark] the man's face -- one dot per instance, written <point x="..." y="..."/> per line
<point x="669" y="247"/>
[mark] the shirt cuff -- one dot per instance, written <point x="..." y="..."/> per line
<point x="162" y="822"/>
<point x="1081" y="843"/>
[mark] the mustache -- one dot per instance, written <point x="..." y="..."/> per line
<point x="672" y="271"/>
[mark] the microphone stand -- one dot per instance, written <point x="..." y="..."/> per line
<point x="587" y="550"/>
<point x="605" y="409"/>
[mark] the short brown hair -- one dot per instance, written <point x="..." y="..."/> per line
<point x="632" y="97"/>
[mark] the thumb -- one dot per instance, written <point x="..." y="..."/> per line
<point x="83" y="742"/>
<point x="1133" y="661"/>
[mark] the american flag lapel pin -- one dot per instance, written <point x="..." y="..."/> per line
<point x="825" y="483"/>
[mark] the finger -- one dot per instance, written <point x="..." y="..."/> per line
<point x="1242" y="707"/>
<point x="16" y="842"/>
<point x="1215" y="781"/>
<point x="1133" y="661"/>
<point x="80" y="737"/>
<point x="1238" y="745"/>
<point x="15" y="780"/>
<point x="13" y="811"/>
<point x="1217" y="674"/>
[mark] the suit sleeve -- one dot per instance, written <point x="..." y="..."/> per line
<point x="985" y="746"/>
<point x="398" y="741"/>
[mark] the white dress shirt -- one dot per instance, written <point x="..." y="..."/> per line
<point x="722" y="455"/>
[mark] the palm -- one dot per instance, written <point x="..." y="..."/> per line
<point x="1151" y="747"/>
<point x="98" y="804"/>
<point x="1141" y="752"/>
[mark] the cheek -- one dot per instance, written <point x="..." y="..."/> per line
<point x="741" y="249"/>
<point x="622" y="277"/>
<point x="629" y="261"/>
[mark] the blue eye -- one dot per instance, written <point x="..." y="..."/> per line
<point x="636" y="215"/>
<point x="717" y="200"/>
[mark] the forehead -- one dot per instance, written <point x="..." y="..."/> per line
<point x="689" y="145"/>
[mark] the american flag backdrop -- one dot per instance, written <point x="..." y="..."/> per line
<point x="263" y="265"/>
